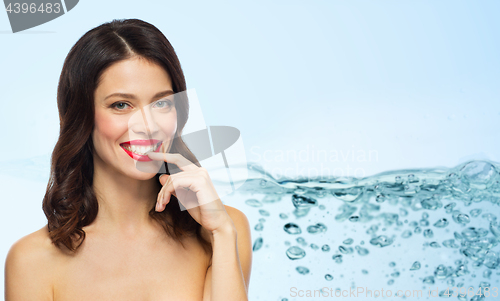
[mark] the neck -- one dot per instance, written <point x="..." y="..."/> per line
<point x="124" y="202"/>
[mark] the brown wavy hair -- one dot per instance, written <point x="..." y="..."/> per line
<point x="70" y="202"/>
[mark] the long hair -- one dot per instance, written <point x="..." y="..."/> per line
<point x="70" y="202"/>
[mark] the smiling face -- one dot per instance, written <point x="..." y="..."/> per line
<point x="134" y="114"/>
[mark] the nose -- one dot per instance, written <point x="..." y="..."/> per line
<point x="143" y="123"/>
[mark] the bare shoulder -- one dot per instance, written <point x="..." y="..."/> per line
<point x="244" y="239"/>
<point x="29" y="264"/>
<point x="236" y="215"/>
<point x="34" y="246"/>
<point x="239" y="219"/>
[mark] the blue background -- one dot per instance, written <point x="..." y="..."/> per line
<point x="415" y="83"/>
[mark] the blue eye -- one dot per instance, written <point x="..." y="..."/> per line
<point x="119" y="105"/>
<point x="161" y="104"/>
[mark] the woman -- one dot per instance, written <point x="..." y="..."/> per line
<point x="115" y="228"/>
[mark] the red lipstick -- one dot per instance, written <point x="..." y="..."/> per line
<point x="137" y="149"/>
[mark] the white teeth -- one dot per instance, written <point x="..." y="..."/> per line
<point x="141" y="149"/>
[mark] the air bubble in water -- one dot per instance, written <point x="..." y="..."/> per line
<point x="381" y="241"/>
<point x="318" y="228"/>
<point x="490" y="217"/>
<point x="295" y="253"/>
<point x="491" y="260"/>
<point x="257" y="244"/>
<point x="495" y="229"/>
<point x="362" y="251"/>
<point x="302" y="270"/>
<point x="428" y="233"/>
<point x="435" y="244"/>
<point x="325" y="248"/>
<point x="415" y="266"/>
<point x="487" y="274"/>
<point x="264" y="212"/>
<point x="328" y="277"/>
<point x="460" y="218"/>
<point x="478" y="174"/>
<point x="424" y="223"/>
<point x="300" y="212"/>
<point x="431" y="204"/>
<point x="429" y="280"/>
<point x="450" y="243"/>
<point x="441" y="223"/>
<point x="301" y="241"/>
<point x="283" y="216"/>
<point x="475" y="212"/>
<point x="292" y="228"/>
<point x="337" y="258"/>
<point x="406" y="234"/>
<point x="253" y="203"/>
<point x="471" y="233"/>
<point x="348" y="195"/>
<point x="450" y="207"/>
<point x="300" y="201"/>
<point x="348" y="241"/>
<point x="259" y="227"/>
<point x="412" y="178"/>
<point x="354" y="218"/>
<point x="345" y="250"/>
<point x="271" y="199"/>
<point x="346" y="211"/>
<point x="372" y="230"/>
<point x="441" y="272"/>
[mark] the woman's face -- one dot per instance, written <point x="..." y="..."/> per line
<point x="134" y="114"/>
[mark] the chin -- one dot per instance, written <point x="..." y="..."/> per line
<point x="149" y="168"/>
<point x="142" y="176"/>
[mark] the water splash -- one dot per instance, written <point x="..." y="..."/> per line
<point x="408" y="206"/>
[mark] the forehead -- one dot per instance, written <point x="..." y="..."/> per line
<point x="134" y="75"/>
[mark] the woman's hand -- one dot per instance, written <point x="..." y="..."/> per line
<point x="195" y="190"/>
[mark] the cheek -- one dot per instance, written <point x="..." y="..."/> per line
<point x="109" y="128"/>
<point x="168" y="125"/>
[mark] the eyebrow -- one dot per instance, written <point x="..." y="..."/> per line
<point x="132" y="96"/>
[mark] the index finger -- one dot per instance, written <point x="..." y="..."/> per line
<point x="177" y="159"/>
